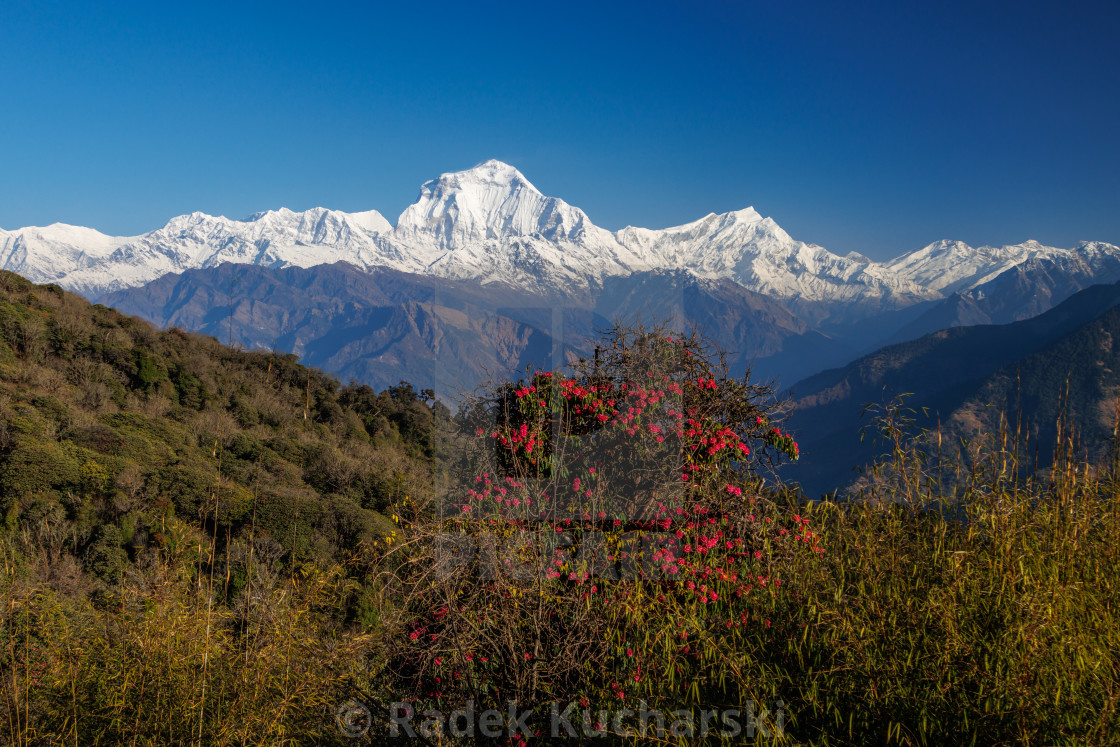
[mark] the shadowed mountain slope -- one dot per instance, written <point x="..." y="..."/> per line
<point x="383" y="326"/>
<point x="952" y="372"/>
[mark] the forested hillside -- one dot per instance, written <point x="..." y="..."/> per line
<point x="161" y="496"/>
<point x="967" y="379"/>
<point x="106" y="422"/>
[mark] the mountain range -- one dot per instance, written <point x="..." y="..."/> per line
<point x="381" y="326"/>
<point x="490" y="224"/>
<point x="484" y="273"/>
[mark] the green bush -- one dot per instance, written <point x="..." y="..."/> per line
<point x="34" y="466"/>
<point x="149" y="372"/>
<point x="105" y="558"/>
<point x="188" y="484"/>
<point x="290" y="517"/>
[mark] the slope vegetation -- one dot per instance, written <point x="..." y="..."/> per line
<point x="109" y="427"/>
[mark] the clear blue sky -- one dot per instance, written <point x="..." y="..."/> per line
<point x="876" y="126"/>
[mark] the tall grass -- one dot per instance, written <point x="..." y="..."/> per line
<point x="964" y="600"/>
<point x="155" y="664"/>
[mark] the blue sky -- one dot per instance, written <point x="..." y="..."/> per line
<point x="877" y="127"/>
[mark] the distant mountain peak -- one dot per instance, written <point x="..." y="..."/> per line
<point x="487" y="202"/>
<point x="954" y="266"/>
<point x="493" y="175"/>
<point x="747" y="215"/>
<point x="497" y="172"/>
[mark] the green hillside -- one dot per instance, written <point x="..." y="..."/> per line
<point x="166" y="501"/>
<point x="965" y="378"/>
<point x="1074" y="381"/>
<point x="105" y="421"/>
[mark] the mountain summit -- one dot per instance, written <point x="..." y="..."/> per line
<point x="489" y="201"/>
<point x="490" y="223"/>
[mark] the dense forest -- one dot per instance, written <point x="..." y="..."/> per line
<point x="109" y="422"/>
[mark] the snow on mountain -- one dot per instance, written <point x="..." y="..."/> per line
<point x="489" y="202"/>
<point x="489" y="223"/>
<point x="92" y="263"/>
<point x="954" y="266"/>
<point x="49" y="253"/>
<point x="759" y="255"/>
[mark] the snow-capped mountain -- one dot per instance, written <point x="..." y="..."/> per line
<point x="490" y="224"/>
<point x="91" y="263"/>
<point x="954" y="266"/>
<point x="755" y="252"/>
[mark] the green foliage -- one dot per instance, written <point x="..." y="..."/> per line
<point x="962" y="600"/>
<point x="400" y="412"/>
<point x="168" y="505"/>
<point x="90" y="394"/>
<point x="190" y="392"/>
<point x="192" y="551"/>
<point x="34" y="466"/>
<point x="148" y="371"/>
<point x="105" y="558"/>
<point x="153" y="664"/>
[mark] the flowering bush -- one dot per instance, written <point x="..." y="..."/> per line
<point x="604" y="536"/>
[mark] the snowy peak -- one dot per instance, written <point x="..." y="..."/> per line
<point x="49" y="254"/>
<point x="758" y="254"/>
<point x="59" y="237"/>
<point x="494" y="172"/>
<point x="943" y="265"/>
<point x="92" y="263"/>
<point x="706" y="226"/>
<point x="490" y="223"/>
<point x="954" y="266"/>
<point x="491" y="201"/>
<point x="491" y="180"/>
<point x="371" y="221"/>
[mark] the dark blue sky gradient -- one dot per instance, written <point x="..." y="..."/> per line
<point x="876" y="127"/>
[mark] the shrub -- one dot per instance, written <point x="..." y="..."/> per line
<point x="35" y="466"/>
<point x="609" y="537"/>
